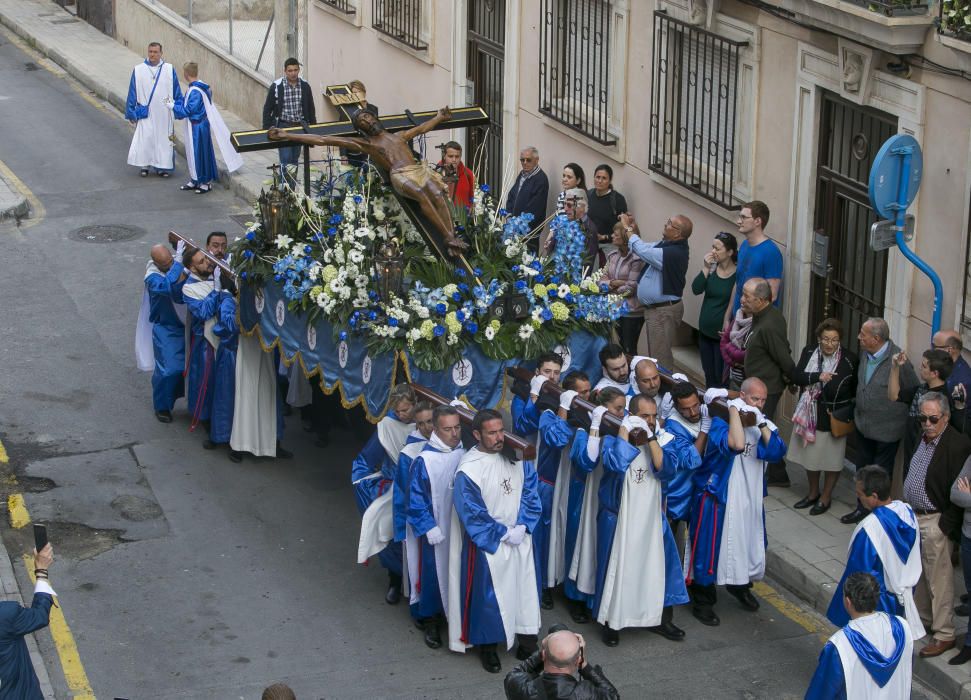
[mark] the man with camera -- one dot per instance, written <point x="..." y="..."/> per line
<point x="559" y="669"/>
<point x="17" y="676"/>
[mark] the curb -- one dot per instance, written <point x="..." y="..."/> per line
<point x="791" y="572"/>
<point x="13" y="204"/>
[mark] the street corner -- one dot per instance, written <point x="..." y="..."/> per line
<point x="17" y="203"/>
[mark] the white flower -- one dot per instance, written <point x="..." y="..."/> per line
<point x="538" y="314"/>
<point x="360" y="281"/>
<point x="359" y="303"/>
<point x="423" y="312"/>
<point x="528" y="271"/>
<point x="414" y="334"/>
<point x="297" y="250"/>
<point x="283" y="241"/>
<point x="328" y="255"/>
<point x="490" y="333"/>
<point x="313" y="272"/>
<point x="322" y="301"/>
<point x="363" y="232"/>
<point x="356" y="257"/>
<point x="525" y="331"/>
<point x="378" y="215"/>
<point x="452" y="339"/>
<point x="351" y="270"/>
<point x="562" y="291"/>
<point x="450" y="289"/>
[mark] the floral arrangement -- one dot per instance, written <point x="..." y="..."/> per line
<point x="324" y="264"/>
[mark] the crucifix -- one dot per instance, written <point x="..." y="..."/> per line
<point x="420" y="191"/>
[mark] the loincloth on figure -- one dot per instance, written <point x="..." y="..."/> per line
<point x="418" y="174"/>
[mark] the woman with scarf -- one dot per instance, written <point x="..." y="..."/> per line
<point x="827" y="371"/>
<point x="732" y="346"/>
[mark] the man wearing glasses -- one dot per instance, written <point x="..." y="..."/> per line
<point x="758" y="256"/>
<point x="929" y="473"/>
<point x="530" y="193"/>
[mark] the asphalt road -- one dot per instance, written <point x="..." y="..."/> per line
<point x="181" y="574"/>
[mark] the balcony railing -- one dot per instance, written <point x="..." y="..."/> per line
<point x="345" y="6"/>
<point x="955" y="19"/>
<point x="401" y="20"/>
<point x="893" y="8"/>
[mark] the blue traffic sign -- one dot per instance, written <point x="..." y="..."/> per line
<point x="885" y="175"/>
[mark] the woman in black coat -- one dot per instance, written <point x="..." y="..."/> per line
<point x="827" y="372"/>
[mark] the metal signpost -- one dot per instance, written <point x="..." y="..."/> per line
<point x="894" y="181"/>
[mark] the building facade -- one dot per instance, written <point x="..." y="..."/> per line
<point x="699" y="107"/>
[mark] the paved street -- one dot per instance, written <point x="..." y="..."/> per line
<point x="180" y="574"/>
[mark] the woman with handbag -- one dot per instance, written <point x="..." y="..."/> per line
<point x="827" y="371"/>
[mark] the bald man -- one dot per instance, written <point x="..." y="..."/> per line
<point x="164" y="277"/>
<point x="554" y="669"/>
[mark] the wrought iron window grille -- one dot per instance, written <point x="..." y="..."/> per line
<point x="694" y="109"/>
<point x="574" y="66"/>
<point x="401" y="20"/>
<point x="348" y="7"/>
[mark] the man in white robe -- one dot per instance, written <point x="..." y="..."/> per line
<point x="871" y="657"/>
<point x="430" y="519"/>
<point x="616" y="371"/>
<point x="153" y="88"/>
<point x="492" y="570"/>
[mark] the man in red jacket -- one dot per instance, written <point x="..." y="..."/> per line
<point x="460" y="181"/>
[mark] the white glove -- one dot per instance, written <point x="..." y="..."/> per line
<point x="681" y="377"/>
<point x="713" y="394"/>
<point x="435" y="536"/>
<point x="596" y="417"/>
<point x="515" y="535"/>
<point x="705" y="419"/>
<point x="216" y="281"/>
<point x="593" y="448"/>
<point x="458" y="403"/>
<point x="536" y="384"/>
<point x="566" y="399"/>
<point x="631" y="422"/>
<point x="759" y="417"/>
<point x="179" y="250"/>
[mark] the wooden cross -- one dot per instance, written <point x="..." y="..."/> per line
<point x="462" y="117"/>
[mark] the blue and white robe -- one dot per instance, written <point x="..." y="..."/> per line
<point x="204" y="125"/>
<point x="492" y="584"/>
<point x="372" y="475"/>
<point x="202" y="300"/>
<point x="168" y="335"/>
<point x="150" y="145"/>
<point x="885" y="544"/>
<point x="224" y="370"/>
<point x="430" y="505"/>
<point x="638" y="568"/>
<point x="869" y="659"/>
<point x="581" y="582"/>
<point x="552" y="470"/>
<point x="727" y="527"/>
<point x="680" y="486"/>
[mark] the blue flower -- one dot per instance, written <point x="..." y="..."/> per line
<point x="460" y="315"/>
<point x="577" y="313"/>
<point x="247" y="254"/>
<point x="372" y="295"/>
<point x="484" y="187"/>
<point x="307" y="249"/>
<point x="342" y="335"/>
<point x="570" y="298"/>
<point x="278" y="277"/>
<point x="463" y="287"/>
<point x="540" y="279"/>
<point x="478" y="292"/>
<point x="477" y="271"/>
<point x="551" y="292"/>
<point x="503" y="212"/>
<point x="250" y="236"/>
<point x="440" y="308"/>
<point x="546" y="315"/>
<point x="243" y="274"/>
<point x="353" y="321"/>
<point x="439" y="331"/>
<point x="459" y="272"/>
<point x="472" y="327"/>
<point x="555" y="279"/>
<point x="372" y="315"/>
<point x="515" y="268"/>
<point x="358" y="199"/>
<point x="457" y="297"/>
<point x="604" y="288"/>
<point x="393" y="322"/>
<point x="520" y="284"/>
<point x="332" y="231"/>
<point x="536" y="265"/>
<point x="335" y="219"/>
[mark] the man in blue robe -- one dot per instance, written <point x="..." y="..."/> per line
<point x="162" y="278"/>
<point x="727" y="526"/>
<point x="430" y="519"/>
<point x="886" y="545"/>
<point x="639" y="575"/>
<point x="525" y="417"/>
<point x="226" y="331"/>
<point x="204" y="123"/>
<point x="373" y="472"/>
<point x="871" y="657"/>
<point x="492" y="571"/>
<point x="202" y="300"/>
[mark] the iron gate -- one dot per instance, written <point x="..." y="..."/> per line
<point x="487" y="35"/>
<point x="854" y="289"/>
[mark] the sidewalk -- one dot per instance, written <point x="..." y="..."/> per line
<point x="13" y="205"/>
<point x="104" y="66"/>
<point x="807" y="554"/>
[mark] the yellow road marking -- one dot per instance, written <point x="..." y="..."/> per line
<point x="790" y="610"/>
<point x="37" y="210"/>
<point x="67" y="649"/>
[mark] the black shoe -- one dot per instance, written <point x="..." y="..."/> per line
<point x="187" y="187"/>
<point x="164" y="416"/>
<point x="433" y="640"/>
<point x="307" y="426"/>
<point x="281" y="453"/>
<point x="819" y="508"/>
<point x="579" y="612"/>
<point x="162" y="173"/>
<point x="203" y="189"/>
<point x="143" y="172"/>
<point x="805" y="503"/>
<point x="962" y="610"/>
<point x="668" y="630"/>
<point x="745" y="597"/>
<point x="393" y="596"/>
<point x="961" y="658"/>
<point x="611" y="637"/>
<point x="235" y="456"/>
<point x="208" y="444"/>
<point x="854" y="517"/>
<point x="490" y="660"/>
<point x="546" y="600"/>
<point x="706" y="616"/>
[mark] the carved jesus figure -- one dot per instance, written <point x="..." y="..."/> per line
<point x="390" y="152"/>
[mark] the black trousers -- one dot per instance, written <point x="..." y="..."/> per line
<point x="705" y="597"/>
<point x="629" y="331"/>
<point x="875" y="452"/>
<point x="776" y="470"/>
<point x="711" y="361"/>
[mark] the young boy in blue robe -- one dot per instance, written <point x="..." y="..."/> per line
<point x="871" y="656"/>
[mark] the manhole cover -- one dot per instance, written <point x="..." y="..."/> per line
<point x="31" y="66"/>
<point x="107" y="233"/>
